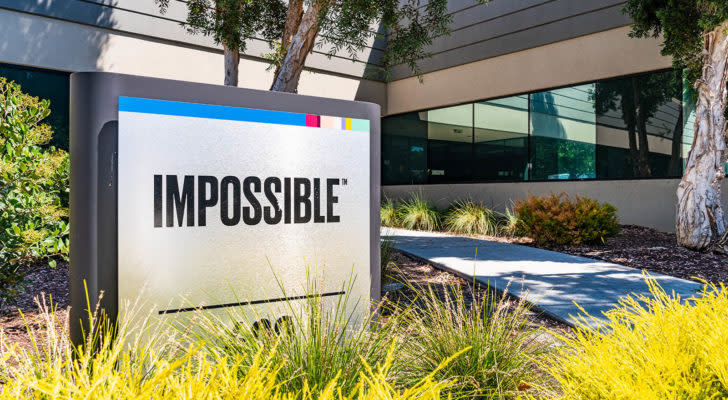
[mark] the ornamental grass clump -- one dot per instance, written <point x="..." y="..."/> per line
<point x="511" y="223"/>
<point x="115" y="365"/>
<point x="419" y="213"/>
<point x="649" y="347"/>
<point x="500" y="350"/>
<point x="472" y="218"/>
<point x="320" y="339"/>
<point x="561" y="220"/>
<point x="388" y="214"/>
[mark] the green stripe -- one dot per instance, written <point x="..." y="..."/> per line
<point x="361" y="125"/>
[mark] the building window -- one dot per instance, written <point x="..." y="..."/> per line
<point x="623" y="128"/>
<point x="500" y="148"/>
<point x="639" y="126"/>
<point x="50" y="85"/>
<point x="450" y="144"/>
<point x="404" y="149"/>
<point x="563" y="134"/>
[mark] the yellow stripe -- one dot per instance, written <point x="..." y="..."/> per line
<point x="348" y="124"/>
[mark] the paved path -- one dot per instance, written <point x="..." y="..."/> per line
<point x="554" y="281"/>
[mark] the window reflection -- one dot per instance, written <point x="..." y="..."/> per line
<point x="563" y="134"/>
<point x="628" y="127"/>
<point x="639" y="126"/>
<point x="404" y="145"/>
<point x="50" y="85"/>
<point x="450" y="140"/>
<point x="501" y="139"/>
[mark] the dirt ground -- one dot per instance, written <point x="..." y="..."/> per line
<point x="46" y="283"/>
<point x="653" y="251"/>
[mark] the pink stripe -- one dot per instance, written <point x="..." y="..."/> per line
<point x="313" y="120"/>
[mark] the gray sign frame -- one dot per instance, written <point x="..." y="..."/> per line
<point x="93" y="152"/>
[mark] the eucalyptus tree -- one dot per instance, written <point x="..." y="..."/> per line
<point x="295" y="27"/>
<point x="695" y="34"/>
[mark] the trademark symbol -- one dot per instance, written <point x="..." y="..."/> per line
<point x="343" y="181"/>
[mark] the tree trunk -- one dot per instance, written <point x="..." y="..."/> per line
<point x="293" y="20"/>
<point x="699" y="213"/>
<point x="232" y="60"/>
<point x="301" y="45"/>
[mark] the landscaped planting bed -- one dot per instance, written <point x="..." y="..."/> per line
<point x="551" y="227"/>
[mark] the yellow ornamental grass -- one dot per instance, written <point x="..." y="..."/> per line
<point x="650" y="348"/>
<point x="119" y="369"/>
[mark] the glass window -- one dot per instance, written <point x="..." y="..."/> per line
<point x="630" y="127"/>
<point x="50" y="85"/>
<point x="639" y="126"/>
<point x="563" y="133"/>
<point x="501" y="139"/>
<point x="450" y="144"/>
<point x="404" y="149"/>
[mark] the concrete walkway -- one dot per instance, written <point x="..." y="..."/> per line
<point x="554" y="281"/>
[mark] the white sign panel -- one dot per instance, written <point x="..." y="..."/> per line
<point x="216" y="203"/>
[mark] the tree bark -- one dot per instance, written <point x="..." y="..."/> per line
<point x="700" y="218"/>
<point x="232" y="60"/>
<point x="301" y="45"/>
<point x="293" y="20"/>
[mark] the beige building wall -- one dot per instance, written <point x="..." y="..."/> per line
<point x="587" y="58"/>
<point x="60" y="45"/>
<point x="649" y="202"/>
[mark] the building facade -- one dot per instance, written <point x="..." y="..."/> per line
<point x="524" y="97"/>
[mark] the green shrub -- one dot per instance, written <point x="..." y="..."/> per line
<point x="649" y="347"/>
<point x="559" y="220"/>
<point x="419" y="213"/>
<point x="501" y="351"/>
<point x="472" y="218"/>
<point x="388" y="214"/>
<point x="33" y="188"/>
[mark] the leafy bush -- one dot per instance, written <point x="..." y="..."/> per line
<point x="650" y="347"/>
<point x="419" y="213"/>
<point x="557" y="219"/>
<point x="500" y="351"/>
<point x="388" y="214"/>
<point x="119" y="367"/>
<point x="33" y="188"/>
<point x="472" y="218"/>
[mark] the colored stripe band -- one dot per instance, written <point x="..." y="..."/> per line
<point x="210" y="111"/>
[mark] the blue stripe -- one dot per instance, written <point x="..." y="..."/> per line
<point x="164" y="107"/>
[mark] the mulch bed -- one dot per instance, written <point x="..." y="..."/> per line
<point x="654" y="251"/>
<point x="46" y="283"/>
